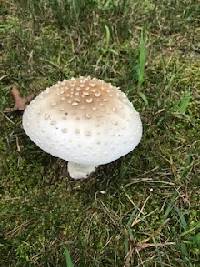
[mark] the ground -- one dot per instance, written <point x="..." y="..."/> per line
<point x="143" y="209"/>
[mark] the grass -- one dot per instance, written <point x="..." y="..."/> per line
<point x="142" y="210"/>
<point x="68" y="259"/>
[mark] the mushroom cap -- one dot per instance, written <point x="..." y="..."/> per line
<point x="83" y="120"/>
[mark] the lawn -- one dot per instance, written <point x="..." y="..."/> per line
<point x="141" y="210"/>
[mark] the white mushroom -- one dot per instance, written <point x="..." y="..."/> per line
<point x="84" y="121"/>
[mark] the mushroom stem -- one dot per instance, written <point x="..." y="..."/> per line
<point x="79" y="171"/>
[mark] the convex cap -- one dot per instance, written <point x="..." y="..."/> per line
<point x="85" y="121"/>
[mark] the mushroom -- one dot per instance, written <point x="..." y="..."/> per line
<point x="84" y="121"/>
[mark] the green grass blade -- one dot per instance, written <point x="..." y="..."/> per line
<point x="142" y="59"/>
<point x="107" y="36"/>
<point x="68" y="258"/>
<point x="184" y="103"/>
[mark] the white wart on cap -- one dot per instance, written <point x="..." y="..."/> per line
<point x="84" y="121"/>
